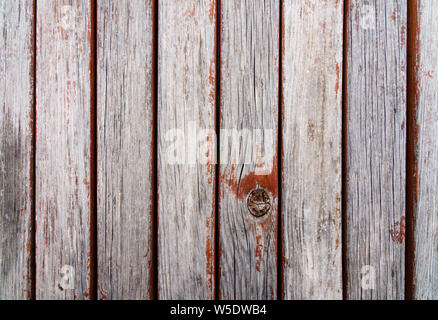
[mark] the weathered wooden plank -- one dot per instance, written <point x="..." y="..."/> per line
<point x="312" y="118"/>
<point x="426" y="150"/>
<point x="186" y="102"/>
<point x="124" y="124"/>
<point x="250" y="32"/>
<point x="16" y="116"/>
<point x="376" y="148"/>
<point x="63" y="149"/>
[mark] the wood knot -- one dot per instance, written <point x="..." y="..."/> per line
<point x="259" y="202"/>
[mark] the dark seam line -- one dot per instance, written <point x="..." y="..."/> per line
<point x="344" y="192"/>
<point x="33" y="160"/>
<point x="411" y="135"/>
<point x="280" y="284"/>
<point x="154" y="268"/>
<point x="93" y="156"/>
<point x="217" y="172"/>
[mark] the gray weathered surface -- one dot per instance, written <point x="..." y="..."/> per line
<point x="312" y="118"/>
<point x="124" y="124"/>
<point x="249" y="100"/>
<point x="186" y="97"/>
<point x="16" y="95"/>
<point x="376" y="148"/>
<point x="425" y="213"/>
<point x="63" y="148"/>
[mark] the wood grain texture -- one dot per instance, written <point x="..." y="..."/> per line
<point x="124" y="109"/>
<point x="312" y="121"/>
<point x="426" y="151"/>
<point x="186" y="101"/>
<point x="376" y="148"/>
<point x="63" y="149"/>
<point x="250" y="33"/>
<point x="16" y="96"/>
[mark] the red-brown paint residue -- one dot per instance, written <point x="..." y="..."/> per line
<point x="189" y="14"/>
<point x="403" y="125"/>
<point x="85" y="294"/>
<point x="258" y="252"/>
<point x="89" y="272"/>
<point x="271" y="290"/>
<point x="209" y="155"/>
<point x="398" y="232"/>
<point x="87" y="184"/>
<point x="29" y="246"/>
<point x="403" y="35"/>
<point x="209" y="254"/>
<point x="212" y="81"/>
<point x="338" y="75"/>
<point x="212" y="11"/>
<point x="241" y="188"/>
<point x="75" y="296"/>
<point x="209" y="170"/>
<point x="429" y="74"/>
<point x="102" y="292"/>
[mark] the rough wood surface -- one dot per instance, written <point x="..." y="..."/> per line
<point x="124" y="109"/>
<point x="186" y="101"/>
<point x="312" y="121"/>
<point x="426" y="150"/>
<point x="376" y="149"/>
<point x="63" y="149"/>
<point x="16" y="96"/>
<point x="249" y="101"/>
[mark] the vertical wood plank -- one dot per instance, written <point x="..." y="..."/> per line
<point x="376" y="148"/>
<point x="16" y="96"/>
<point x="426" y="151"/>
<point x="124" y="110"/>
<point x="186" y="102"/>
<point x="312" y="118"/>
<point x="63" y="149"/>
<point x="249" y="105"/>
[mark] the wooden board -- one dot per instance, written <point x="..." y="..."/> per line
<point x="63" y="94"/>
<point x="16" y="117"/>
<point x="311" y="170"/>
<point x="186" y="101"/>
<point x="376" y="149"/>
<point x="125" y="113"/>
<point x="425" y="275"/>
<point x="249" y="102"/>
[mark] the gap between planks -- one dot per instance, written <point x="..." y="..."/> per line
<point x="344" y="193"/>
<point x="411" y="135"/>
